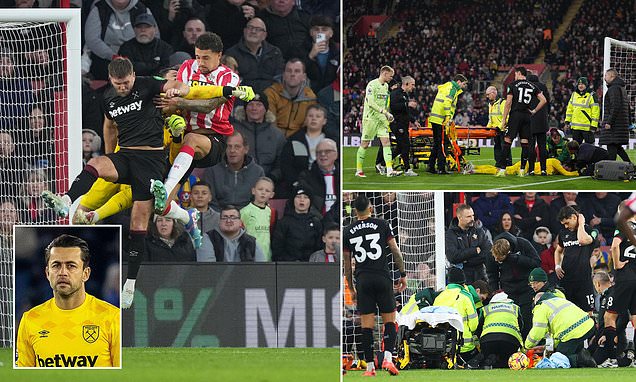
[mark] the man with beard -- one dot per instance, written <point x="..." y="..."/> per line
<point x="87" y="330"/>
<point x="467" y="247"/>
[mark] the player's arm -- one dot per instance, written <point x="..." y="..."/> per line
<point x="399" y="261"/>
<point x="24" y="348"/>
<point x="110" y="135"/>
<point x="616" y="253"/>
<point x="623" y="225"/>
<point x="558" y="259"/>
<point x="199" y="105"/>
<point x="542" y="102"/>
<point x="115" y="344"/>
<point x="504" y="117"/>
<point x="347" y="270"/>
<point x="582" y="236"/>
<point x="174" y="88"/>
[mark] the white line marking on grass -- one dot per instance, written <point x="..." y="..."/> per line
<point x="546" y="182"/>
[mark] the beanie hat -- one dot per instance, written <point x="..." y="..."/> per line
<point x="262" y="98"/>
<point x="456" y="276"/>
<point x="538" y="274"/>
<point x="582" y="80"/>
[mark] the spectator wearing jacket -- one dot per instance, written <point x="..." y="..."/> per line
<point x="232" y="179"/>
<point x="201" y="198"/>
<point x="599" y="212"/>
<point x="299" y="153"/>
<point x="148" y="53"/>
<point x="512" y="260"/>
<point x="230" y="242"/>
<point x="467" y="247"/>
<point x="298" y="233"/>
<point x="168" y="241"/>
<point x="489" y="207"/>
<point x="259" y="62"/>
<point x="331" y="252"/>
<point x="109" y="24"/>
<point x="565" y="199"/>
<point x="530" y="212"/>
<point x="290" y="99"/>
<point x="324" y="56"/>
<point x="616" y="117"/>
<point x="323" y="180"/>
<point x="287" y="28"/>
<point x="265" y="141"/>
<point x="506" y="224"/>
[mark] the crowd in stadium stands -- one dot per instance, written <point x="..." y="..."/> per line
<point x="272" y="46"/>
<point x="432" y="41"/>
<point x="433" y="46"/>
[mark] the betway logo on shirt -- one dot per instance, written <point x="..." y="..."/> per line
<point x="62" y="360"/>
<point x="125" y="109"/>
<point x="570" y="243"/>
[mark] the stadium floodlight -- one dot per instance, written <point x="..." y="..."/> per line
<point x="417" y="219"/>
<point x="40" y="53"/>
<point x="621" y="55"/>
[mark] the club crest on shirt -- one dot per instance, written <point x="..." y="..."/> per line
<point x="90" y="333"/>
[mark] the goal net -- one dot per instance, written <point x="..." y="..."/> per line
<point x="621" y="55"/>
<point x="417" y="219"/>
<point x="40" y="108"/>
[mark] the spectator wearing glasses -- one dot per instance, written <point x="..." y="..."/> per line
<point x="259" y="62"/>
<point x="323" y="180"/>
<point x="230" y="242"/>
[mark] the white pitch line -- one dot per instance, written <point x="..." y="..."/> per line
<point x="546" y="182"/>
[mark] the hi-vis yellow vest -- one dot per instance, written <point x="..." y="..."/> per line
<point x="583" y="111"/>
<point x="456" y="296"/>
<point x="445" y="102"/>
<point x="495" y="113"/>
<point x="502" y="317"/>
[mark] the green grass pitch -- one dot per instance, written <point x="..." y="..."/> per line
<point x="531" y="375"/>
<point x="460" y="182"/>
<point x="197" y="364"/>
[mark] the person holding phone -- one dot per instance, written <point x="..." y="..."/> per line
<point x="324" y="56"/>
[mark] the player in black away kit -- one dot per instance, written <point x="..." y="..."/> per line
<point x="623" y="296"/>
<point x="136" y="124"/>
<point x="367" y="240"/>
<point x="572" y="258"/>
<point x="520" y="94"/>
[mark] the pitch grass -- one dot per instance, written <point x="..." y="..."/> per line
<point x="531" y="375"/>
<point x="460" y="182"/>
<point x="197" y="364"/>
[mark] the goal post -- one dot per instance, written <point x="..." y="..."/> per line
<point x="41" y="122"/>
<point x="417" y="219"/>
<point x="621" y="55"/>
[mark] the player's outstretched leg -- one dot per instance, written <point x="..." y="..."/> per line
<point x="58" y="203"/>
<point x="158" y="189"/>
<point x="192" y="227"/>
<point x="127" y="294"/>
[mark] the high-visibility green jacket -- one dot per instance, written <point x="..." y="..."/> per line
<point x="502" y="317"/>
<point x="458" y="297"/>
<point x="445" y="102"/>
<point x="495" y="113"/>
<point x="559" y="317"/>
<point x="583" y="111"/>
<point x="419" y="300"/>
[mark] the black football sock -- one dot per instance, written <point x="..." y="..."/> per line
<point x="83" y="182"/>
<point x="136" y="252"/>
<point x="390" y="335"/>
<point x="367" y="344"/>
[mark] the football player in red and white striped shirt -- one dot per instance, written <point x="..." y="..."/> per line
<point x="207" y="119"/>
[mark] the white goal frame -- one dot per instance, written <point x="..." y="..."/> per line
<point x="607" y="50"/>
<point x="73" y="20"/>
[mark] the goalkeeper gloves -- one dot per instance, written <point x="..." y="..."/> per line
<point x="176" y="125"/>
<point x="244" y="93"/>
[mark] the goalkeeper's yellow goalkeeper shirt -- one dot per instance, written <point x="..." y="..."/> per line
<point x="87" y="336"/>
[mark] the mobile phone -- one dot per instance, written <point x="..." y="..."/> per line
<point x="320" y="37"/>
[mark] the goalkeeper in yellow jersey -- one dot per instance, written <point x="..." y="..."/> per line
<point x="72" y="329"/>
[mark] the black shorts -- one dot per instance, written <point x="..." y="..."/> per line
<point x="137" y="168"/>
<point x="581" y="293"/>
<point x="519" y="123"/>
<point x="217" y="150"/>
<point x="623" y="297"/>
<point x="374" y="290"/>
